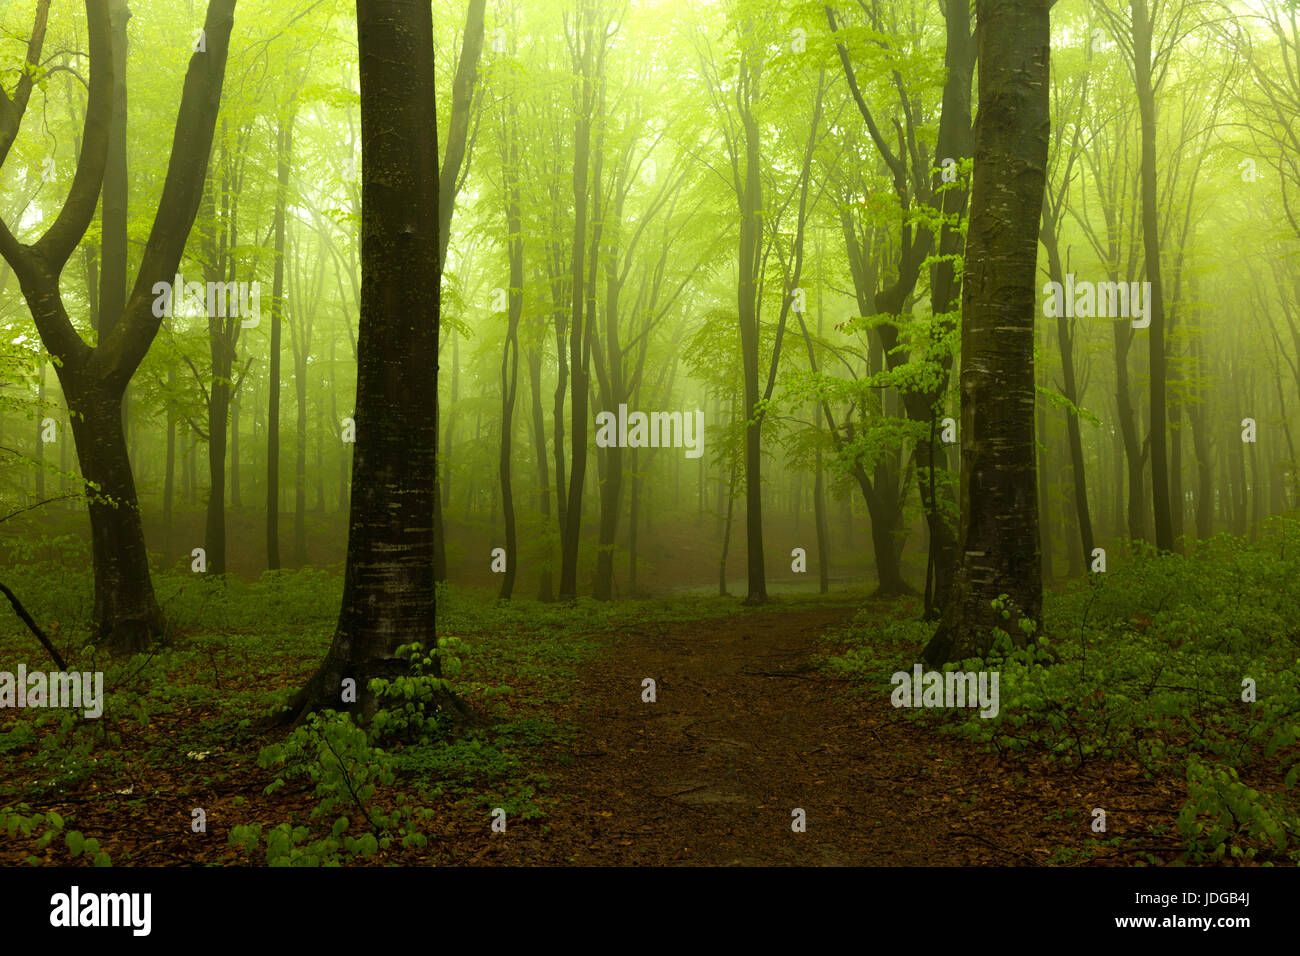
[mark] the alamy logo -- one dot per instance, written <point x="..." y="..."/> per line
<point x="82" y="689"/>
<point x="102" y="909"/>
<point x="656" y="430"/>
<point x="946" y="689"/>
<point x="211" y="299"/>
<point x="1102" y="300"/>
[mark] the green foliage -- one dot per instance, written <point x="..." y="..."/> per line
<point x="410" y="705"/>
<point x="1145" y="666"/>
<point x="46" y="827"/>
<point x="1224" y="818"/>
<point x="335" y="756"/>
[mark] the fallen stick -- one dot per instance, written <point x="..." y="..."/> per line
<point x="33" y="627"/>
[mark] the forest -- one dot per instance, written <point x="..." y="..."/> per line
<point x="649" y="433"/>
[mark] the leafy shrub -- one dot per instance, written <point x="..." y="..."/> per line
<point x="335" y="755"/>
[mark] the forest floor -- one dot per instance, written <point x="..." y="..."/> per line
<point x="746" y="728"/>
<point x="748" y="725"/>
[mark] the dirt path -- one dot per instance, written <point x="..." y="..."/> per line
<point x="745" y="730"/>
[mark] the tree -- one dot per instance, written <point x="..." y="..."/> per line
<point x="1069" y="98"/>
<point x="509" y="146"/>
<point x="998" y="535"/>
<point x="94" y="378"/>
<point x="588" y="68"/>
<point x="388" y="592"/>
<point x="450" y="180"/>
<point x="916" y="179"/>
<point x="283" y="158"/>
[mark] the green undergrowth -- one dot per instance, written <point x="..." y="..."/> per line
<point x="1152" y="666"/>
<point x="184" y="716"/>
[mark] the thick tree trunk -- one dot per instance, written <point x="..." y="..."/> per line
<point x="388" y="593"/>
<point x="887" y="535"/>
<point x="113" y="201"/>
<point x="999" y="551"/>
<point x="126" y="615"/>
<point x="955" y="141"/>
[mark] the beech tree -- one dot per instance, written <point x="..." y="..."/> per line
<point x="388" y="593"/>
<point x="94" y="377"/>
<point x="998" y="537"/>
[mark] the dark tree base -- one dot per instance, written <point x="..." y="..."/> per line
<point x="135" y="635"/>
<point x="323" y="692"/>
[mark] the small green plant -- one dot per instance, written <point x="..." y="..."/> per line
<point x="410" y="706"/>
<point x="46" y="827"/>
<point x="335" y="755"/>
<point x="1225" y="818"/>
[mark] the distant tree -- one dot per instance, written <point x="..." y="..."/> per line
<point x="450" y="180"/>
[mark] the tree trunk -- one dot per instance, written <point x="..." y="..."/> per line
<point x="39" y="451"/>
<point x="126" y="615"/>
<point x="726" y="534"/>
<point x="999" y="551"/>
<point x="510" y="350"/>
<point x="388" y="593"/>
<point x="169" y="479"/>
<point x="302" y="346"/>
<point x="1044" y="494"/>
<point x="751" y="237"/>
<point x="579" y="336"/>
<point x="214" y="538"/>
<point x="1065" y="341"/>
<point x="633" y="524"/>
<point x="462" y="96"/>
<point x="545" y="591"/>
<point x="113" y="201"/>
<point x="284" y="149"/>
<point x="236" y="499"/>
<point x="1142" y="28"/>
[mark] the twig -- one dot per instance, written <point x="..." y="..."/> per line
<point x="33" y="626"/>
<point x="347" y="778"/>
<point x="676" y="793"/>
<point x="38" y="505"/>
<point x="976" y="836"/>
